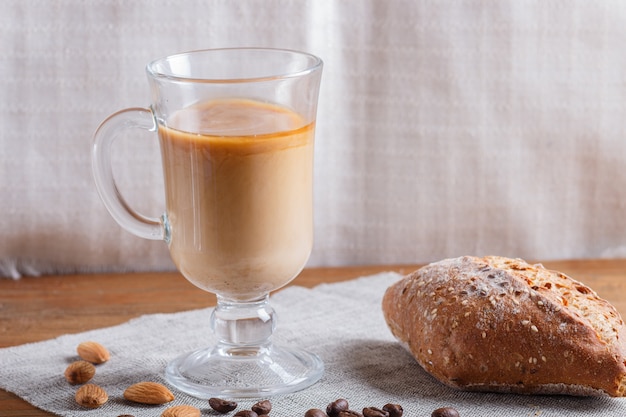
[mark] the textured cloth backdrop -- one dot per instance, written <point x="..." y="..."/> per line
<point x="445" y="127"/>
<point x="344" y="325"/>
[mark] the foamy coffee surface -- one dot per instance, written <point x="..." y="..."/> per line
<point x="235" y="118"/>
<point x="238" y="178"/>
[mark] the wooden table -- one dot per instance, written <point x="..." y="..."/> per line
<point x="39" y="308"/>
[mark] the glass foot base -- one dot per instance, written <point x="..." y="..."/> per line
<point x="244" y="371"/>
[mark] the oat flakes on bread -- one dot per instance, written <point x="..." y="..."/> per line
<point x="502" y="325"/>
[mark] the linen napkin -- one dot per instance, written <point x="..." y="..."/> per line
<point x="341" y="322"/>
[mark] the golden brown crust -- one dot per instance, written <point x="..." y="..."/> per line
<point x="500" y="324"/>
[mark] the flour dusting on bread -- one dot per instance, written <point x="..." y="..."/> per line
<point x="501" y="324"/>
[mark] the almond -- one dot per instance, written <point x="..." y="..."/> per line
<point x="181" y="411"/>
<point x="79" y="372"/>
<point x="93" y="352"/>
<point x="148" y="393"/>
<point x="91" y="396"/>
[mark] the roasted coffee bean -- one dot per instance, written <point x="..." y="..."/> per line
<point x="315" y="412"/>
<point x="349" y="413"/>
<point x="262" y="407"/>
<point x="374" y="412"/>
<point x="445" y="412"/>
<point x="246" y="413"/>
<point x="336" y="407"/>
<point x="222" y="406"/>
<point x="394" y="410"/>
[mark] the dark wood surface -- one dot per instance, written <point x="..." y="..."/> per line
<point x="39" y="308"/>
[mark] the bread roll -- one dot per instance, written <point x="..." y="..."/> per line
<point x="503" y="325"/>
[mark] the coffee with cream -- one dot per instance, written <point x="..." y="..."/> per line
<point x="238" y="178"/>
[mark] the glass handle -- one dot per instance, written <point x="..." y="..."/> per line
<point x="134" y="222"/>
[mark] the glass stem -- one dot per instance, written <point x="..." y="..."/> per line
<point x="243" y="324"/>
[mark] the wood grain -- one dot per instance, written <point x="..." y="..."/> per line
<point x="39" y="308"/>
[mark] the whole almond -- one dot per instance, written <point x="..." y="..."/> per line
<point x="181" y="411"/>
<point x="93" y="352"/>
<point x="79" y="372"/>
<point x="148" y="393"/>
<point x="91" y="396"/>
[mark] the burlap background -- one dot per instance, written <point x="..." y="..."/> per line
<point x="445" y="127"/>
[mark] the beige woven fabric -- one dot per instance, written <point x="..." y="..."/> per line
<point x="344" y="325"/>
<point x="444" y="127"/>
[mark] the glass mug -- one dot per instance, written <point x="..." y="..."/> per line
<point x="236" y="132"/>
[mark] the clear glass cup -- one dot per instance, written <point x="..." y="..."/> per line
<point x="236" y="131"/>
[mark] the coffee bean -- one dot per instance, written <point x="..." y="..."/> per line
<point x="222" y="406"/>
<point x="246" y="413"/>
<point x="394" y="410"/>
<point x="349" y="413"/>
<point x="374" y="412"/>
<point x="336" y="407"/>
<point x="262" y="407"/>
<point x="315" y="412"/>
<point x="445" y="412"/>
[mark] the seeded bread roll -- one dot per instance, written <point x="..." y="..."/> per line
<point x="503" y="325"/>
